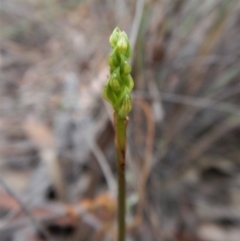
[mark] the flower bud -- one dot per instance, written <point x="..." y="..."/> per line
<point x="114" y="82"/>
<point x="128" y="53"/>
<point x="113" y="60"/>
<point x="128" y="81"/>
<point x="125" y="68"/>
<point x="109" y="95"/>
<point x="126" y="106"/>
<point x="123" y="43"/>
<point x="114" y="37"/>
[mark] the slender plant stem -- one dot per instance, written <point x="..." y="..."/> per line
<point x="120" y="125"/>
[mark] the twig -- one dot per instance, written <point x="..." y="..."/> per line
<point x="188" y="100"/>
<point x="147" y="164"/>
<point x="157" y="107"/>
<point x="103" y="163"/>
<point x="200" y="103"/>
<point x="57" y="211"/>
<point x="136" y="23"/>
<point x="208" y="140"/>
<point x="35" y="222"/>
<point x="201" y="147"/>
<point x="228" y="93"/>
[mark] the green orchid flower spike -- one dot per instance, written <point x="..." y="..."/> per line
<point x="117" y="91"/>
<point x="118" y="88"/>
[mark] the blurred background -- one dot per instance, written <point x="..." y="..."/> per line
<point x="57" y="155"/>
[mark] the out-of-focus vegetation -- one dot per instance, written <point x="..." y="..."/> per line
<point x="57" y="158"/>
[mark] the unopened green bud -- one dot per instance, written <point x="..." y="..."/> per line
<point x="128" y="53"/>
<point x="114" y="82"/>
<point x="113" y="59"/>
<point x="109" y="95"/>
<point x="125" y="68"/>
<point x="128" y="81"/>
<point x="126" y="106"/>
<point x="123" y="43"/>
<point x="114" y="37"/>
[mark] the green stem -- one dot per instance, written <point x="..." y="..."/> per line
<point x="120" y="125"/>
